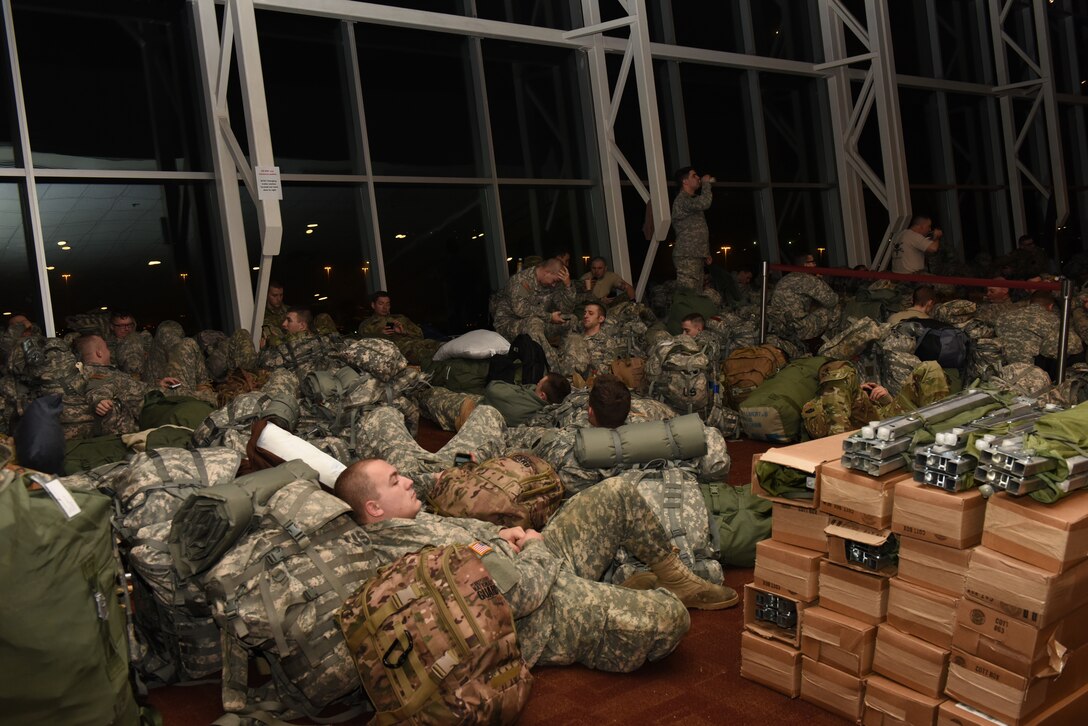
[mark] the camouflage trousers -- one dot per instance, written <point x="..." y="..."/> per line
<point x="382" y="434"/>
<point x="539" y="331"/>
<point x="801" y="325"/>
<point x="442" y="405"/>
<point x="604" y="626"/>
<point x="689" y="272"/>
<point x="418" y="351"/>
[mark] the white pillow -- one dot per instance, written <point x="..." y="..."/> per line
<point x="477" y="344"/>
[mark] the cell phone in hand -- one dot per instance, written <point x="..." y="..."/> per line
<point x="461" y="459"/>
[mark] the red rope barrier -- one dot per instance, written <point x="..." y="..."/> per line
<point x="926" y="279"/>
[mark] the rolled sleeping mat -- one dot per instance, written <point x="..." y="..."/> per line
<point x="678" y="438"/>
<point x="282" y="409"/>
<point x="287" y="446"/>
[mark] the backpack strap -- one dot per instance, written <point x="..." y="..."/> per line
<point x="673" y="504"/>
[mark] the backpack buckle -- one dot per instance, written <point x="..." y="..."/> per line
<point x="405" y="649"/>
<point x="274" y="557"/>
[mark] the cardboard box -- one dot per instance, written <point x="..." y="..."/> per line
<point x="831" y="689"/>
<point x="922" y="612"/>
<point x="934" y="566"/>
<point x="1007" y="696"/>
<point x="767" y="629"/>
<point x="1053" y="537"/>
<point x="799" y="526"/>
<point x="854" y="594"/>
<point x="952" y="519"/>
<point x="1024" y="591"/>
<point x="1068" y="711"/>
<point x="1015" y="645"/>
<point x="910" y="661"/>
<point x="837" y="640"/>
<point x="807" y="457"/>
<point x="842" y="533"/>
<point x="889" y="704"/>
<point x="858" y="497"/>
<point x="787" y="570"/>
<point x="772" y="664"/>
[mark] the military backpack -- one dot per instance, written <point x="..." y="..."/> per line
<point x="679" y="374"/>
<point x="746" y="368"/>
<point x="516" y="490"/>
<point x="434" y="643"/>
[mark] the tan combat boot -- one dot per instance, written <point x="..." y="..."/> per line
<point x="467" y="407"/>
<point x="641" y="580"/>
<point x="692" y="590"/>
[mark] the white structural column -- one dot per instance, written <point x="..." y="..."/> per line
<point x="1038" y="89"/>
<point x="849" y="117"/>
<point x="605" y="104"/>
<point x="33" y="208"/>
<point x="239" y="40"/>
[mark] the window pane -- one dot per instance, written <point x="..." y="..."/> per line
<point x="794" y="127"/>
<point x="975" y="137"/>
<point x="714" y="26"/>
<point x="921" y="139"/>
<point x="802" y="227"/>
<point x="324" y="226"/>
<point x="109" y="89"/>
<point x="7" y="110"/>
<point x="964" y="41"/>
<point x="536" y="115"/>
<point x="718" y="132"/>
<point x="549" y="14"/>
<point x="114" y="231"/>
<point x="420" y="112"/>
<point x="786" y="28"/>
<point x="306" y="93"/>
<point x="18" y="276"/>
<point x="437" y="272"/>
<point x="545" y="221"/>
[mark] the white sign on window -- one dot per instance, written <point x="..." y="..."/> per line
<point x="268" y="182"/>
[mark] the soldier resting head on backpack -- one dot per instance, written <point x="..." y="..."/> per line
<point x="693" y="324"/>
<point x="609" y="402"/>
<point x="552" y="388"/>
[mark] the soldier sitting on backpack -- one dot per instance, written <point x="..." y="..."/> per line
<point x="1031" y="331"/>
<point x="563" y="614"/>
<point x="406" y="335"/>
<point x="592" y="351"/>
<point x="302" y="350"/>
<point x="114" y="396"/>
<point x="534" y="302"/>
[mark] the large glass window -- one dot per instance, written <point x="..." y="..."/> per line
<point x="436" y="259"/>
<point x="419" y="104"/>
<point x="802" y="227"/>
<point x="307" y="93"/>
<point x="109" y="88"/>
<point x="18" y="279"/>
<point x="541" y="13"/>
<point x="794" y="128"/>
<point x="546" y="220"/>
<point x="537" y="121"/>
<point x="718" y="131"/>
<point x="140" y="247"/>
<point x="786" y="29"/>
<point x="714" y="26"/>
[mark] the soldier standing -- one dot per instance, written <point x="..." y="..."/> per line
<point x="691" y="249"/>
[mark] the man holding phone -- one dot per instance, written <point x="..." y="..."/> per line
<point x="406" y="335"/>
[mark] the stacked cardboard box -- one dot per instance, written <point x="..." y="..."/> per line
<point x="787" y="570"/>
<point x="1020" y="640"/>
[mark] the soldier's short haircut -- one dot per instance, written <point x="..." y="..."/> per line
<point x="599" y="258"/>
<point x="555" y="387"/>
<point x="600" y="309"/>
<point x="379" y="295"/>
<point x="680" y="174"/>
<point x="610" y="401"/>
<point x="802" y="259"/>
<point x="356" y="487"/>
<point x="918" y="219"/>
<point x="275" y="284"/>
<point x="552" y="264"/>
<point x="1045" y="298"/>
<point x="121" y="314"/>
<point x="1025" y="238"/>
<point x="694" y="318"/>
<point x="304" y="316"/>
<point x="923" y="295"/>
<point x="84" y="344"/>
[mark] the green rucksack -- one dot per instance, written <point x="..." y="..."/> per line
<point x="738" y="520"/>
<point x="65" y="653"/>
<point x="773" y="411"/>
<point x="464" y="375"/>
<point x="160" y="410"/>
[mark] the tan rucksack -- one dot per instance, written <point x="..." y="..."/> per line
<point x="434" y="642"/>
<point x="746" y="368"/>
<point x="516" y="490"/>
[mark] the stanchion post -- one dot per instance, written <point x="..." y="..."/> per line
<point x="1063" y="336"/>
<point x="763" y="304"/>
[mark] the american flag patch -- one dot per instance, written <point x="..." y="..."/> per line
<point x="480" y="548"/>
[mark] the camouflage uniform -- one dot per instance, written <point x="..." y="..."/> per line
<point x="381" y="433"/>
<point x="107" y="383"/>
<point x="130" y="353"/>
<point x="525" y="306"/>
<point x="442" y="405"/>
<point x="562" y="613"/>
<point x="272" y="329"/>
<point x="417" y="349"/>
<point x="172" y="355"/>
<point x="303" y="352"/>
<point x="1030" y="330"/>
<point x="587" y="355"/>
<point x="692" y="243"/>
<point x="802" y="307"/>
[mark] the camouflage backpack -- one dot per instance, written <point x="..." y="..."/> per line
<point x="274" y="595"/>
<point x="434" y="642"/>
<point x="678" y="372"/>
<point x="746" y="368"/>
<point x="516" y="490"/>
<point x="674" y="496"/>
<point x="229" y="425"/>
<point x="853" y="341"/>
